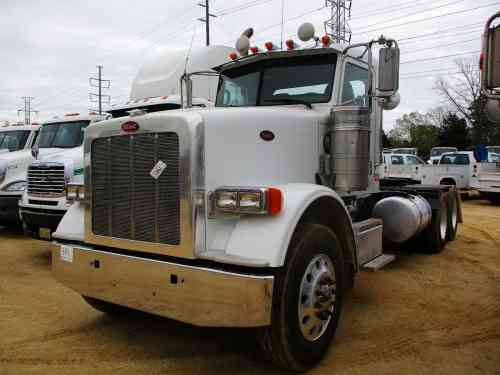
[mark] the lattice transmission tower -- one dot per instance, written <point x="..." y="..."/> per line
<point x="337" y="27"/>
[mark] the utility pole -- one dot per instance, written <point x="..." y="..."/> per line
<point x="337" y="27"/>
<point x="27" y="109"/>
<point x="206" y="19"/>
<point x="100" y="84"/>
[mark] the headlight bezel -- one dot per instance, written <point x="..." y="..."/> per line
<point x="75" y="192"/>
<point x="247" y="201"/>
<point x="8" y="187"/>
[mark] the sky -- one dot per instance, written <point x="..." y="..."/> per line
<point x="50" y="48"/>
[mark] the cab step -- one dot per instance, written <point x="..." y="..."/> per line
<point x="379" y="262"/>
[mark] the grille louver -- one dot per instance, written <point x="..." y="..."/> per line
<point x="127" y="202"/>
<point x="46" y="180"/>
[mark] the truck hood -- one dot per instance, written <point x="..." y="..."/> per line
<point x="72" y="158"/>
<point x="236" y="153"/>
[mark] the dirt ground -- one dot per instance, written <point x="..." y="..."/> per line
<point x="422" y="314"/>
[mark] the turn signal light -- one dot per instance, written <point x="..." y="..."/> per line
<point x="290" y="44"/>
<point x="325" y="40"/>
<point x="481" y="61"/>
<point x="269" y="46"/>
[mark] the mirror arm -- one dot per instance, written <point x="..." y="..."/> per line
<point x="186" y="79"/>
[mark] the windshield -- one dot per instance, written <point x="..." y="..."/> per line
<point x="441" y="151"/>
<point x="457" y="159"/>
<point x="13" y="140"/>
<point x="303" y="79"/>
<point x="410" y="151"/>
<point x="62" y="134"/>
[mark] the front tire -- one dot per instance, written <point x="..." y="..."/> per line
<point x="307" y="299"/>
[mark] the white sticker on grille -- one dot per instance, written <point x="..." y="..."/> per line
<point x="158" y="169"/>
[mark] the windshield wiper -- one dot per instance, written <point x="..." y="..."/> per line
<point x="289" y="101"/>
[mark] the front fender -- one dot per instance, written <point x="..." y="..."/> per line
<point x="264" y="240"/>
<point x="72" y="225"/>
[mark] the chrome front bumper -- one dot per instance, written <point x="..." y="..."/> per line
<point x="194" y="295"/>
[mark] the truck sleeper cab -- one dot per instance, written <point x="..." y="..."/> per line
<point x="256" y="213"/>
<point x="15" y="156"/>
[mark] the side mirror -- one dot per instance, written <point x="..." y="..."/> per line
<point x="388" y="72"/>
<point x="492" y="73"/>
<point x="35" y="151"/>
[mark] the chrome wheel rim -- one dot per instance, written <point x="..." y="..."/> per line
<point x="443" y="226"/>
<point x="317" y="297"/>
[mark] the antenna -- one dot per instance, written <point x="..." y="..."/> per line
<point x="282" y="21"/>
<point x="337" y="27"/>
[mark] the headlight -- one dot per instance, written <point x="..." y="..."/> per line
<point x="241" y="200"/>
<point x="3" y="170"/>
<point x="75" y="192"/>
<point x="16" y="186"/>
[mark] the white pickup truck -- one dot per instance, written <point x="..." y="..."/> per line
<point x="401" y="166"/>
<point x="489" y="178"/>
<point x="437" y="152"/>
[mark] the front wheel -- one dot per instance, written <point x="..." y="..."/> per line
<point x="307" y="299"/>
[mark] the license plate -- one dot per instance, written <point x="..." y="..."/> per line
<point x="67" y="254"/>
<point x="44" y="233"/>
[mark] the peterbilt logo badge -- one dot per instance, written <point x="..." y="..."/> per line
<point x="130" y="126"/>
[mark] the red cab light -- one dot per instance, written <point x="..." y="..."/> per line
<point x="269" y="46"/>
<point x="325" y="40"/>
<point x="233" y="56"/>
<point x="254" y="50"/>
<point x="130" y="126"/>
<point x="290" y="44"/>
<point x="274" y="201"/>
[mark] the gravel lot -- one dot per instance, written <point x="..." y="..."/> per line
<point x="421" y="315"/>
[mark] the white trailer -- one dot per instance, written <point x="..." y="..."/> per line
<point x="16" y="142"/>
<point x="256" y="213"/>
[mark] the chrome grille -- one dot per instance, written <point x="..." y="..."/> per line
<point x="46" y="180"/>
<point x="127" y="202"/>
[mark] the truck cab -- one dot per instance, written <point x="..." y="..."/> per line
<point x="436" y="153"/>
<point x="406" y="166"/>
<point x="258" y="212"/>
<point x="16" y="142"/>
<point x="59" y="161"/>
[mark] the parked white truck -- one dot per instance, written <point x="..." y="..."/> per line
<point x="255" y="213"/>
<point x="16" y="142"/>
<point x="59" y="161"/>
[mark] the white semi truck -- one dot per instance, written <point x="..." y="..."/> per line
<point x="59" y="161"/>
<point x="258" y="212"/>
<point x="16" y="142"/>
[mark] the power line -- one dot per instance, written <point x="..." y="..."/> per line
<point x="439" y="57"/>
<point x="442" y="46"/>
<point x="239" y="8"/>
<point x="383" y="10"/>
<point x="440" y="33"/>
<point x="428" y="18"/>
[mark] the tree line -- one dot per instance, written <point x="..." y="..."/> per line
<point x="461" y="122"/>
